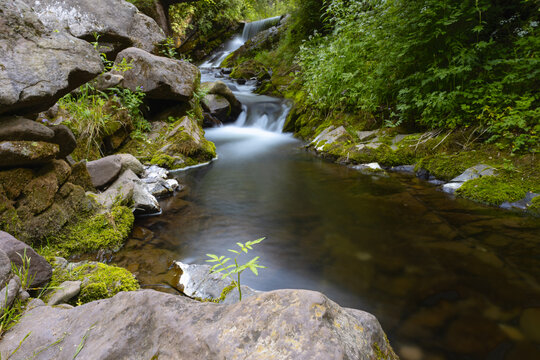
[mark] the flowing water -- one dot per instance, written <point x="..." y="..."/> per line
<point x="447" y="278"/>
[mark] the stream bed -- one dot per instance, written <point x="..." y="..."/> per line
<point x="447" y="278"/>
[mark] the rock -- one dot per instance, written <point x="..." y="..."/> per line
<point x="329" y="135"/>
<point x="65" y="292"/>
<point x="119" y="23"/>
<point x="283" y="324"/>
<point x="80" y="176"/>
<point x="23" y="295"/>
<point x="34" y="303"/>
<point x="128" y="188"/>
<point x="65" y="140"/>
<point x="104" y="171"/>
<point x="107" y="80"/>
<point x="155" y="172"/>
<point x="197" y="281"/>
<point x="408" y="169"/>
<point x="39" y="193"/>
<point x="522" y="204"/>
<point x="214" y="102"/>
<point x="159" y="77"/>
<point x="19" y="128"/>
<point x="130" y="162"/>
<point x="218" y="107"/>
<point x="470" y="174"/>
<point x="5" y="268"/>
<point x="474" y="173"/>
<point x="161" y="187"/>
<point x="9" y="293"/>
<point x="366" y="135"/>
<point x="22" y="153"/>
<point x="368" y="168"/>
<point x="40" y="269"/>
<point x="39" y="65"/>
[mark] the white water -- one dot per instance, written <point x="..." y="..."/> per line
<point x="253" y="28"/>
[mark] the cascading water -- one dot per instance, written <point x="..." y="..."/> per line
<point x="253" y="28"/>
<point x="259" y="111"/>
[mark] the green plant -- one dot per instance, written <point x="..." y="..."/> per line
<point x="236" y="269"/>
<point x="23" y="272"/>
<point x="168" y="49"/>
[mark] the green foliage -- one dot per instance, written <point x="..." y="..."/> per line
<point x="168" y="48"/>
<point x="23" y="272"/>
<point x="99" y="281"/>
<point x="431" y="63"/>
<point x="232" y="269"/>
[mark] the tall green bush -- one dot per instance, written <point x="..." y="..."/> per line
<point x="432" y="63"/>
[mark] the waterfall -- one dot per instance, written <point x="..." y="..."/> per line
<point x="253" y="28"/>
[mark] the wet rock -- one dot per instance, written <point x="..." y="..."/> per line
<point x="65" y="292"/>
<point x="471" y="173"/>
<point x="118" y="22"/>
<point x="155" y="172"/>
<point x="19" y="128"/>
<point x="529" y="322"/>
<point x="219" y="108"/>
<point x="39" y="269"/>
<point x="161" y="187"/>
<point x="328" y="136"/>
<point x="283" y="324"/>
<point x="197" y="281"/>
<point x="104" y="171"/>
<point x="22" y="153"/>
<point x="39" y="65"/>
<point x="159" y="77"/>
<point x="65" y="140"/>
<point x="9" y="293"/>
<point x="368" y="168"/>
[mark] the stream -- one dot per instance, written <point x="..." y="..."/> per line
<point x="447" y="278"/>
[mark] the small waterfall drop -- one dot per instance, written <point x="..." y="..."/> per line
<point x="253" y="28"/>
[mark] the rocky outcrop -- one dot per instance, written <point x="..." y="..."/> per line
<point x="117" y="22"/>
<point x="26" y="142"/>
<point x="159" y="77"/>
<point x="220" y="102"/>
<point x="17" y="251"/>
<point x="38" y="202"/>
<point x="39" y="65"/>
<point x="283" y="324"/>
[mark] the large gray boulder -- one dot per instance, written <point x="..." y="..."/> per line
<point x="119" y="23"/>
<point x="39" y="269"/>
<point x="104" y="171"/>
<point x="39" y="65"/>
<point x="283" y="324"/>
<point x="19" y="128"/>
<point x="158" y="77"/>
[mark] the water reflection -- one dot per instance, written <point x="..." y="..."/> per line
<point x="448" y="279"/>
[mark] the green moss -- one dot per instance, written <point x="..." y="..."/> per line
<point x="248" y="70"/>
<point x="99" y="231"/>
<point x="99" y="281"/>
<point x="493" y="190"/>
<point x="535" y="205"/>
<point x="163" y="160"/>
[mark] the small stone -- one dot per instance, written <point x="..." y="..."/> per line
<point x="9" y="293"/>
<point x="451" y="187"/>
<point x="34" y="303"/>
<point x="408" y="169"/>
<point x="474" y="173"/>
<point x="65" y="292"/>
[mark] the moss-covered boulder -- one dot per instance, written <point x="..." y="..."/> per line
<point x="106" y="231"/>
<point x="98" y="280"/>
<point x="173" y="145"/>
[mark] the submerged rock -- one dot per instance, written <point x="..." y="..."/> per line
<point x="39" y="65"/>
<point x="283" y="324"/>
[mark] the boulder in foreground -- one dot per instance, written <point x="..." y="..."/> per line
<point x="282" y="324"/>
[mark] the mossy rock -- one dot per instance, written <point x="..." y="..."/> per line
<point x="250" y="69"/>
<point x="535" y="205"/>
<point x="99" y="281"/>
<point x="493" y="190"/>
<point x="99" y="231"/>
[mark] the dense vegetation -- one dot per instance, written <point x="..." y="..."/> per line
<point x="440" y="64"/>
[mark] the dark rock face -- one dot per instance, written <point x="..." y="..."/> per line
<point x="119" y="23"/>
<point x="160" y="78"/>
<point x="40" y="269"/>
<point x="38" y="65"/>
<point x="283" y="324"/>
<point x="220" y="102"/>
<point x="65" y="140"/>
